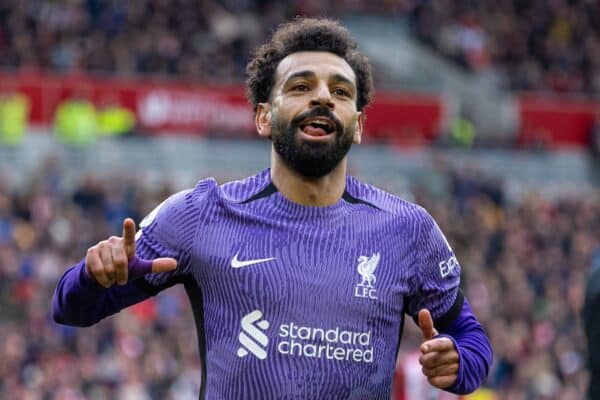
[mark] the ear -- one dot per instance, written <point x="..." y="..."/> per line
<point x="262" y="119"/>
<point x="359" y="120"/>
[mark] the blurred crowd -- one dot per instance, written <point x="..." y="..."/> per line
<point x="148" y="352"/>
<point x="534" y="45"/>
<point x="523" y="263"/>
<point x="202" y="40"/>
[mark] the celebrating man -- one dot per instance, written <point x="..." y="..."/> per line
<point x="299" y="276"/>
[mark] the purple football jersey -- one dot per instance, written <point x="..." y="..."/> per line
<point x="294" y="301"/>
<point x="290" y="301"/>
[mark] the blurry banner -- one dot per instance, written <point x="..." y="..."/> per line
<point x="405" y="118"/>
<point x="555" y="122"/>
<point x="160" y="105"/>
<point x="174" y="107"/>
<point x="194" y="109"/>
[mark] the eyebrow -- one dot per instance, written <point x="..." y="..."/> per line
<point x="338" y="78"/>
<point x="301" y="74"/>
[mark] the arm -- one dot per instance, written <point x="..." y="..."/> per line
<point x="80" y="301"/>
<point x="87" y="292"/>
<point x="458" y="359"/>
<point x="469" y="341"/>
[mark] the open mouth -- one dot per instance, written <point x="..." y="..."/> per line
<point x="317" y="126"/>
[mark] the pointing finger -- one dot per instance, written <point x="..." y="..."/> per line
<point x="129" y="237"/>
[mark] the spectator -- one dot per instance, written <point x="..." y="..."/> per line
<point x="14" y="116"/>
<point x="114" y="120"/>
<point x="76" y="121"/>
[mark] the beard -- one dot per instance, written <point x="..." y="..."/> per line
<point x="310" y="159"/>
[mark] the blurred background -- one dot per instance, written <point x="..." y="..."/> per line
<point x="486" y="112"/>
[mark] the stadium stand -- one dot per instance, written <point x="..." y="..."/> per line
<point x="524" y="254"/>
<point x="535" y="45"/>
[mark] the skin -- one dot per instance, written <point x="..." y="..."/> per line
<point x="107" y="262"/>
<point x="303" y="80"/>
<point x="439" y="359"/>
<point x="329" y="82"/>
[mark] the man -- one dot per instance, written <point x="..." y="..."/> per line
<point x="299" y="276"/>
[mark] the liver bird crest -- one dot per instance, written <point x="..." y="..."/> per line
<point x="366" y="268"/>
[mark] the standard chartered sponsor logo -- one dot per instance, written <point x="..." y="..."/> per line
<point x="332" y="344"/>
<point x="252" y="338"/>
<point x="304" y="341"/>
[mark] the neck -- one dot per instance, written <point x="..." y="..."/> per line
<point x="317" y="192"/>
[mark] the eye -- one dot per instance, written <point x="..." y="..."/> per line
<point x="301" y="87"/>
<point x="341" y="92"/>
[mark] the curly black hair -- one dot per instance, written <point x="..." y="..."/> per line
<point x="306" y="34"/>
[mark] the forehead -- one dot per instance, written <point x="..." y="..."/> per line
<point x="322" y="63"/>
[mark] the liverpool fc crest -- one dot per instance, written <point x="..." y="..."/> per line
<point x="366" y="269"/>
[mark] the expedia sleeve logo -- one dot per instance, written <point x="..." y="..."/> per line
<point x="448" y="266"/>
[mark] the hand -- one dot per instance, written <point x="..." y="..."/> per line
<point x="439" y="358"/>
<point x="113" y="261"/>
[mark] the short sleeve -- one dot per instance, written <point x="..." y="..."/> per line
<point x="436" y="279"/>
<point x="170" y="231"/>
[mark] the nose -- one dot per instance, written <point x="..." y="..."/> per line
<point x="322" y="98"/>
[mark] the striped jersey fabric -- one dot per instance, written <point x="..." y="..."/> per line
<point x="298" y="302"/>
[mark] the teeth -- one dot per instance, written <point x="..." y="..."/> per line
<point x="318" y="123"/>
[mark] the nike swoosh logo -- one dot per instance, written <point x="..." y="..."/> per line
<point x="235" y="263"/>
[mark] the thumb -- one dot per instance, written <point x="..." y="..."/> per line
<point x="164" y="264"/>
<point x="426" y="324"/>
<point x="139" y="267"/>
